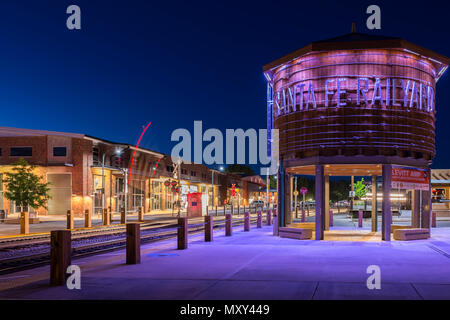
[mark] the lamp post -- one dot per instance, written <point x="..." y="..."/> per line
<point x="125" y="187"/>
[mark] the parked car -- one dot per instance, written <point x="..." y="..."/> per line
<point x="257" y="204"/>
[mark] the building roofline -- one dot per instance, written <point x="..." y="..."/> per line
<point x="363" y="41"/>
<point x="140" y="149"/>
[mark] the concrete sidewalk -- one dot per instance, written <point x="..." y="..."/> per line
<point x="254" y="265"/>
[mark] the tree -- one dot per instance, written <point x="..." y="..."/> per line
<point x="25" y="188"/>
<point x="360" y="189"/>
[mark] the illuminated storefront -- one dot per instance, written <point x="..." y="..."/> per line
<point x="356" y="105"/>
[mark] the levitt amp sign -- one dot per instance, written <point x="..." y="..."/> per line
<point x="409" y="178"/>
<point x="361" y="91"/>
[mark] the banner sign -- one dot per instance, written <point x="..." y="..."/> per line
<point x="409" y="178"/>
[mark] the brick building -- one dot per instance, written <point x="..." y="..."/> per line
<point x="86" y="172"/>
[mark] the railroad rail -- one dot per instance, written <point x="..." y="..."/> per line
<point x="36" y="252"/>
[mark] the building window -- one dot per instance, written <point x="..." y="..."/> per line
<point x="193" y="173"/>
<point x="183" y="171"/>
<point x="95" y="156"/>
<point x="59" y="151"/>
<point x="168" y="168"/>
<point x="21" y="152"/>
<point x="156" y="195"/>
<point x="138" y="194"/>
<point x="0" y="152"/>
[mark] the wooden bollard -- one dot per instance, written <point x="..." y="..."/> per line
<point x="70" y="224"/>
<point x="133" y="243"/>
<point x="140" y="214"/>
<point x="331" y="218"/>
<point x="24" y="223"/>
<point x="433" y="219"/>
<point x="228" y="224"/>
<point x="269" y="217"/>
<point x="208" y="228"/>
<point x="247" y="221"/>
<point x="123" y="217"/>
<point x="182" y="233"/>
<point x="87" y="219"/>
<point x="360" y="219"/>
<point x="60" y="256"/>
<point x="259" y="219"/>
<point x="106" y="217"/>
<point x="275" y="225"/>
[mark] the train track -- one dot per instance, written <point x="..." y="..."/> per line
<point x="37" y="251"/>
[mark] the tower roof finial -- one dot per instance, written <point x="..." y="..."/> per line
<point x="353" y="27"/>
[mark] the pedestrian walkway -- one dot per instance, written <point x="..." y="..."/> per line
<point x="254" y="265"/>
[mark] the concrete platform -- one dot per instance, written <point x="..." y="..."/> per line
<point x="254" y="265"/>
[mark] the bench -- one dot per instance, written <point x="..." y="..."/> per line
<point x="295" y="233"/>
<point x="411" y="234"/>
<point x="397" y="227"/>
<point x="304" y="225"/>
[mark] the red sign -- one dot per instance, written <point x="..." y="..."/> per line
<point x="409" y="178"/>
<point x="303" y="190"/>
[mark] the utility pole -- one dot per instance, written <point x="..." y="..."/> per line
<point x="267" y="189"/>
<point x="126" y="191"/>
<point x="103" y="182"/>
<point x="212" y="182"/>
<point x="179" y="189"/>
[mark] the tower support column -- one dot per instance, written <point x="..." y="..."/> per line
<point x="386" y="218"/>
<point x="320" y="201"/>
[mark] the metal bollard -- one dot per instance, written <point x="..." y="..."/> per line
<point x="275" y="225"/>
<point x="123" y="217"/>
<point x="140" y="214"/>
<point x="269" y="217"/>
<point x="69" y="219"/>
<point x="106" y="217"/>
<point x="360" y="219"/>
<point x="60" y="256"/>
<point x="216" y="211"/>
<point x="296" y="212"/>
<point x="182" y="233"/>
<point x="87" y="219"/>
<point x="246" y="221"/>
<point x="433" y="219"/>
<point x="209" y="228"/>
<point x="228" y="224"/>
<point x="259" y="220"/>
<point x="133" y="243"/>
<point x="111" y="215"/>
<point x="303" y="215"/>
<point x="331" y="218"/>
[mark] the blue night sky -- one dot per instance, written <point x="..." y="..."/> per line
<point x="175" y="62"/>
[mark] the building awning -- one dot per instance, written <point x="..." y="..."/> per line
<point x="440" y="181"/>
